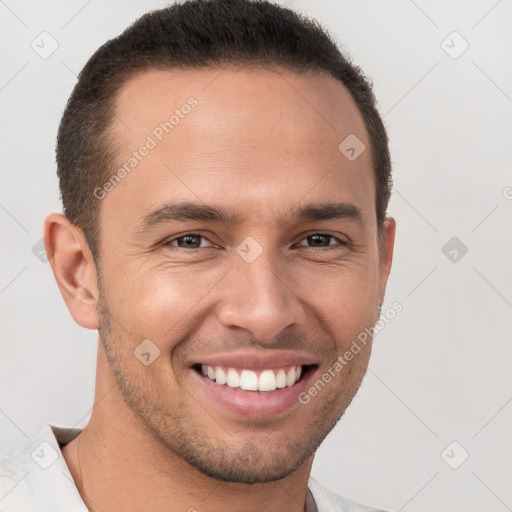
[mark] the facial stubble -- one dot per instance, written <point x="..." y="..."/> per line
<point x="264" y="453"/>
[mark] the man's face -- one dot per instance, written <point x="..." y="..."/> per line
<point x="255" y="295"/>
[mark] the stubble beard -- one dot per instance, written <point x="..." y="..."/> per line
<point x="233" y="459"/>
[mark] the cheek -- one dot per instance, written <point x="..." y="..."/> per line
<point x="162" y="303"/>
<point x="345" y="301"/>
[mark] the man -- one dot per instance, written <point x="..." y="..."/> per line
<point x="225" y="178"/>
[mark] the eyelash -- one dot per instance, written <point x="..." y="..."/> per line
<point x="329" y="247"/>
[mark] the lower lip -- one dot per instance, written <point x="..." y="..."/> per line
<point x="255" y="404"/>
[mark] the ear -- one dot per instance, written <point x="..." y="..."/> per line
<point x="73" y="267"/>
<point x="386" y="255"/>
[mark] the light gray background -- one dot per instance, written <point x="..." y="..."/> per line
<point x="440" y="371"/>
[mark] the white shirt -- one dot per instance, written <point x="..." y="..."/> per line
<point x="36" y="478"/>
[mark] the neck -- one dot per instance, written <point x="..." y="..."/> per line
<point x="117" y="464"/>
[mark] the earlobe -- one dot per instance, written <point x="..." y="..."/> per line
<point x="73" y="267"/>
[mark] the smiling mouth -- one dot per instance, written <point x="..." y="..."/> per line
<point x="250" y="380"/>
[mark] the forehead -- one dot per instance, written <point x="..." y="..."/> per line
<point x="255" y="136"/>
<point x="262" y="102"/>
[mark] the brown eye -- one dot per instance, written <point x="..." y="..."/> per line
<point x="187" y="241"/>
<point x="322" y="240"/>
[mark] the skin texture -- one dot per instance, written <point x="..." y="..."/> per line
<point x="259" y="143"/>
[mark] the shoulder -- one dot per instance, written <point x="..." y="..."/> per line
<point x="328" y="501"/>
<point x="36" y="476"/>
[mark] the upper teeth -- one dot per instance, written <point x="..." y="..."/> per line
<point x="267" y="380"/>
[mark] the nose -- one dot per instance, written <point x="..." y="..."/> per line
<point x="259" y="298"/>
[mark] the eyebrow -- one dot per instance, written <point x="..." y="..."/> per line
<point x="327" y="211"/>
<point x="184" y="211"/>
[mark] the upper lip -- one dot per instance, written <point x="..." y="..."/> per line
<point x="255" y="360"/>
